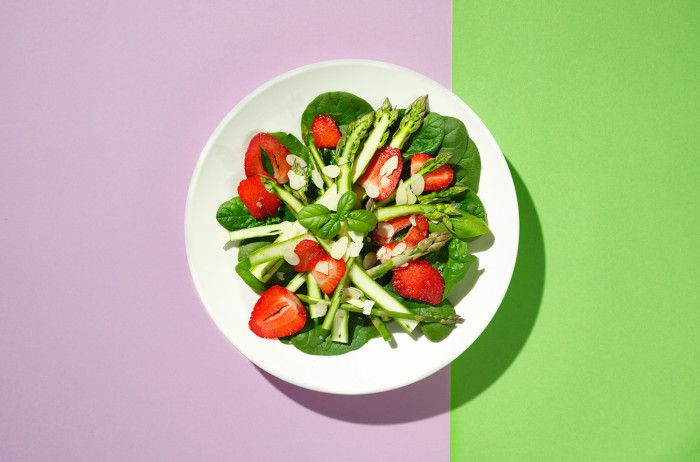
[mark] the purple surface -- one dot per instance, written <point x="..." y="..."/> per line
<point x="106" y="351"/>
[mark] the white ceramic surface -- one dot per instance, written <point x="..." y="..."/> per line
<point x="277" y="106"/>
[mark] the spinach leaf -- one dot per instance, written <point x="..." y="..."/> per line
<point x="267" y="163"/>
<point x="313" y="342"/>
<point x="361" y="221"/>
<point x="233" y="215"/>
<point x="469" y="202"/>
<point x="465" y="160"/>
<point x="343" y="107"/>
<point x="452" y="262"/>
<point x="429" y="137"/>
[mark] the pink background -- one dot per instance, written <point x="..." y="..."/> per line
<point x="106" y="350"/>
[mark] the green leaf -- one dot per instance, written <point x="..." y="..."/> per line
<point x="313" y="216"/>
<point x="295" y="146"/>
<point x="465" y="160"/>
<point x="316" y="341"/>
<point x="331" y="228"/>
<point x="361" y="221"/>
<point x="452" y="262"/>
<point x="233" y="215"/>
<point x="343" y="107"/>
<point x="429" y="137"/>
<point x="267" y="162"/>
<point x="346" y="203"/>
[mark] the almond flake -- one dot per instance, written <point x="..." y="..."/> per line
<point x="331" y="171"/>
<point x="280" y="275"/>
<point x="322" y="267"/>
<point x="339" y="247"/>
<point x="352" y="292"/>
<point x="296" y="181"/>
<point x="291" y="257"/>
<point x="401" y="194"/>
<point x="318" y="309"/>
<point x="356" y="302"/>
<point x="417" y="184"/>
<point x="412" y="220"/>
<point x="383" y="253"/>
<point x="410" y="198"/>
<point x="389" y="166"/>
<point x="367" y="306"/>
<point x="398" y="250"/>
<point x="355" y="236"/>
<point x="317" y="179"/>
<point x="384" y="229"/>
<point x="354" y="249"/>
<point x="372" y="191"/>
<point x="369" y="260"/>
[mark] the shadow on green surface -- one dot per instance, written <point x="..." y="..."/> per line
<point x="496" y="349"/>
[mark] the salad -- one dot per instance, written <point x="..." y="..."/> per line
<point x="364" y="222"/>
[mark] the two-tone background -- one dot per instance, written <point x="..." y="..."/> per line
<point x="106" y="352"/>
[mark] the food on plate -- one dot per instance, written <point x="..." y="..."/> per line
<point x="363" y="222"/>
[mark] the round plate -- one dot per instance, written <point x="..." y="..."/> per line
<point x="277" y="106"/>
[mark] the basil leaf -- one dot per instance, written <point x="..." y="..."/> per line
<point x="361" y="221"/>
<point x="313" y="216"/>
<point x="331" y="228"/>
<point x="346" y="203"/>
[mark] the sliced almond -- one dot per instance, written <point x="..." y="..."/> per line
<point x="355" y="236"/>
<point x="291" y="257"/>
<point x="369" y="260"/>
<point x="410" y="198"/>
<point x="389" y="166"/>
<point x="399" y="249"/>
<point x="322" y="267"/>
<point x="331" y="171"/>
<point x="412" y="220"/>
<point x="401" y="194"/>
<point x="354" y="249"/>
<point x="352" y="292"/>
<point x="339" y="247"/>
<point x="356" y="302"/>
<point x="382" y="252"/>
<point x="367" y="306"/>
<point x="318" y="309"/>
<point x="296" y="181"/>
<point x="417" y="184"/>
<point x="372" y="191"/>
<point x="384" y="229"/>
<point x="317" y="179"/>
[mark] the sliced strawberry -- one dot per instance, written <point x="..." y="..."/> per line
<point x="307" y="250"/>
<point x="439" y="178"/>
<point x="326" y="133"/>
<point x="257" y="199"/>
<point x="327" y="271"/>
<point x="278" y="313"/>
<point x="377" y="178"/>
<point x="419" y="281"/>
<point x="417" y="233"/>
<point x="276" y="151"/>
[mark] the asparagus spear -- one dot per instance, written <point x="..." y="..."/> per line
<point x="347" y="147"/>
<point x="384" y="117"/>
<point x="432" y="243"/>
<point x="462" y="224"/>
<point x="316" y="157"/>
<point x="412" y="119"/>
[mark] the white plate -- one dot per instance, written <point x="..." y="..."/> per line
<point x="277" y="106"/>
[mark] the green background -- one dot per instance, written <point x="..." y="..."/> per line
<point x="595" y="352"/>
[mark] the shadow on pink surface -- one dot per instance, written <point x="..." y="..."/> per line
<point x="424" y="399"/>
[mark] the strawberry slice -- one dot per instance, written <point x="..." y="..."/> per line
<point x="277" y="313"/>
<point x="326" y="133"/>
<point x="439" y="178"/>
<point x="257" y="199"/>
<point x="378" y="178"/>
<point x="276" y="151"/>
<point x="327" y="271"/>
<point x="386" y="230"/>
<point x="419" y="281"/>
<point x="307" y="250"/>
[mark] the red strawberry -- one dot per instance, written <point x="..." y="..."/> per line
<point x="438" y="178"/>
<point x="257" y="199"/>
<point x="278" y="313"/>
<point x="307" y="250"/>
<point x="327" y="271"/>
<point x="419" y="281"/>
<point x="374" y="178"/>
<point x="326" y="133"/>
<point x="276" y="151"/>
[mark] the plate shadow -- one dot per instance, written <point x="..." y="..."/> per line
<point x="487" y="359"/>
